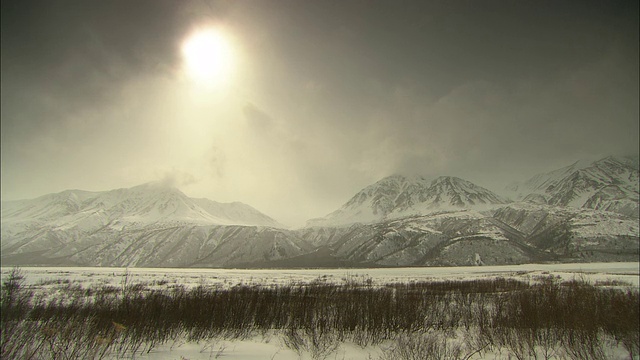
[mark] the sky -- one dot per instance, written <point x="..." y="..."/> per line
<point x="317" y="99"/>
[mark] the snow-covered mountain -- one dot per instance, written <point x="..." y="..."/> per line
<point x="398" y="196"/>
<point x="402" y="221"/>
<point x="141" y="205"/>
<point x="153" y="246"/>
<point x="510" y="234"/>
<point x="587" y="211"/>
<point x="146" y="225"/>
<point x="609" y="184"/>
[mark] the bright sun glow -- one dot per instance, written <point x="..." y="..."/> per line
<point x="208" y="57"/>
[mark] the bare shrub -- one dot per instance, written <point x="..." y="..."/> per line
<point x="423" y="320"/>
<point x="422" y="347"/>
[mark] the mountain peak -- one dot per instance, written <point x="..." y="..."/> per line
<point x="618" y="161"/>
<point x="403" y="177"/>
<point x="447" y="191"/>
<point x="400" y="195"/>
<point x="154" y="186"/>
<point x="449" y="180"/>
<point x="145" y="204"/>
<point x="610" y="184"/>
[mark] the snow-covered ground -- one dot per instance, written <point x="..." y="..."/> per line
<point x="266" y="346"/>
<point x="158" y="277"/>
<point x="259" y="348"/>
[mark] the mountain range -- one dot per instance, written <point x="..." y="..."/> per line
<point x="587" y="211"/>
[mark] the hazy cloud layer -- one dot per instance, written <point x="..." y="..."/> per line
<point x="328" y="96"/>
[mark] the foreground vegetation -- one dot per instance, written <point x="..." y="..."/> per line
<point x="420" y="320"/>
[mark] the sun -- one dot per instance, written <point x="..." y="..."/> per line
<point x="208" y="57"/>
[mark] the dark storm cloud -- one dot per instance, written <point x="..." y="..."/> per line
<point x="79" y="47"/>
<point x="63" y="57"/>
<point x="443" y="44"/>
<point x="362" y="51"/>
<point x="454" y="86"/>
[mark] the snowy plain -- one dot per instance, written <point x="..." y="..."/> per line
<point x="628" y="272"/>
<point x="46" y="282"/>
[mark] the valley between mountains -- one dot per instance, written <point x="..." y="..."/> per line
<point x="587" y="211"/>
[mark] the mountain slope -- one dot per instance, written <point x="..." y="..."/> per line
<point x="609" y="184"/>
<point x="68" y="224"/>
<point x="144" y="204"/>
<point x="582" y="234"/>
<point x="511" y="234"/>
<point x="154" y="246"/>
<point x="398" y="196"/>
<point x="241" y="214"/>
<point x="398" y="221"/>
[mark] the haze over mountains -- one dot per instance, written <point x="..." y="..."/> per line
<point x="583" y="212"/>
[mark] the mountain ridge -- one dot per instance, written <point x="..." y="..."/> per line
<point x="609" y="184"/>
<point x="146" y="203"/>
<point x="398" y="195"/>
<point x="582" y="212"/>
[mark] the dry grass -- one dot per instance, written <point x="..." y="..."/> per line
<point x="419" y="320"/>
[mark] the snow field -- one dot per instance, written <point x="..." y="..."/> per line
<point x="41" y="278"/>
